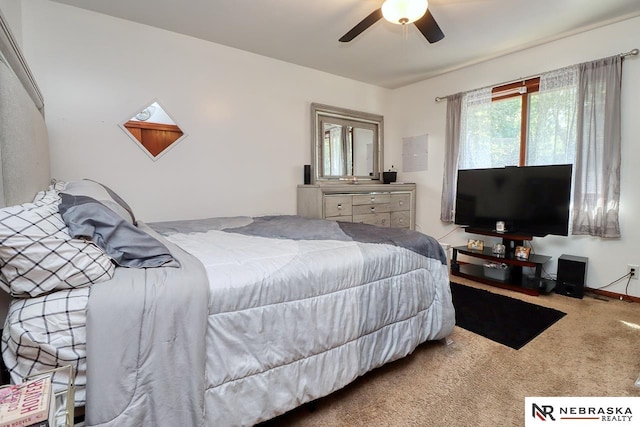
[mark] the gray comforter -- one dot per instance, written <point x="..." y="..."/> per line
<point x="196" y="345"/>
<point x="140" y="325"/>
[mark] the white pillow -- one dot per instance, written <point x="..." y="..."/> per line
<point x="38" y="256"/>
<point x="49" y="196"/>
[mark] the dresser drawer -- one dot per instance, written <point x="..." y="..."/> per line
<point x="400" y="202"/>
<point x="345" y="218"/>
<point x="373" y="203"/>
<point x="339" y="205"/>
<point x="371" y="199"/>
<point x="381" y="219"/>
<point x="371" y="209"/>
<point x="401" y="219"/>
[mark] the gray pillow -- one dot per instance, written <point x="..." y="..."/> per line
<point x="102" y="194"/>
<point x="126" y="244"/>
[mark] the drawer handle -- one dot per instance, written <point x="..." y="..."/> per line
<point x="373" y="199"/>
<point x="339" y="205"/>
<point x="401" y="220"/>
<point x="373" y="208"/>
<point x="401" y="203"/>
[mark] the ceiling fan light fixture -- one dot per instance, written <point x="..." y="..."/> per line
<point x="404" y="11"/>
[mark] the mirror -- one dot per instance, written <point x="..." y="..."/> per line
<point x="345" y="144"/>
<point x="153" y="129"/>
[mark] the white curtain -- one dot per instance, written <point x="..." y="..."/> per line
<point x="475" y="130"/>
<point x="552" y="125"/>
<point x="597" y="166"/>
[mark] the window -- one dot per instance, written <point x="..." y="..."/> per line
<point x="519" y="124"/>
<point x="337" y="146"/>
<point x="566" y="122"/>
<point x="509" y="119"/>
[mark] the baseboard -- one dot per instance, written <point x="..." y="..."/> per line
<point x="608" y="294"/>
<point x="613" y="295"/>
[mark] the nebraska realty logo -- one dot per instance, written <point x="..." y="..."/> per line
<point x="581" y="411"/>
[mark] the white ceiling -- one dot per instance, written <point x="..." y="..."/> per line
<point x="306" y="32"/>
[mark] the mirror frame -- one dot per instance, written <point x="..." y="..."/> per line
<point x="319" y="112"/>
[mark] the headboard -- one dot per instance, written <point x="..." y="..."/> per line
<point x="24" y="146"/>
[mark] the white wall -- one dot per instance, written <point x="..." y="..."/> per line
<point x="415" y="112"/>
<point x="247" y="116"/>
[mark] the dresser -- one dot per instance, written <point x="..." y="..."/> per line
<point x="386" y="205"/>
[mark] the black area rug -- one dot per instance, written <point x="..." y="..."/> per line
<point x="505" y="320"/>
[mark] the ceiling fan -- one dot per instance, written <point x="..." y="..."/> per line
<point x="401" y="12"/>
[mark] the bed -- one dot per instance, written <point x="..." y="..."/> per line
<point x="218" y="321"/>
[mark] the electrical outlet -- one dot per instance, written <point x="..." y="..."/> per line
<point x="632" y="269"/>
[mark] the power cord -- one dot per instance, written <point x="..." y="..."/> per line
<point x="450" y="232"/>
<point x="626" y="288"/>
<point x="616" y="281"/>
<point x="628" y="275"/>
<point x="545" y="274"/>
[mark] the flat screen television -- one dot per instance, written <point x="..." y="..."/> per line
<point x="531" y="200"/>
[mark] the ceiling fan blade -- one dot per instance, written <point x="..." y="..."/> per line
<point x="373" y="17"/>
<point x="429" y="28"/>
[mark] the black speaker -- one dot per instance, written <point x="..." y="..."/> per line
<point x="307" y="174"/>
<point x="572" y="273"/>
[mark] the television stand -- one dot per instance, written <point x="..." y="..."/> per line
<point x="515" y="279"/>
